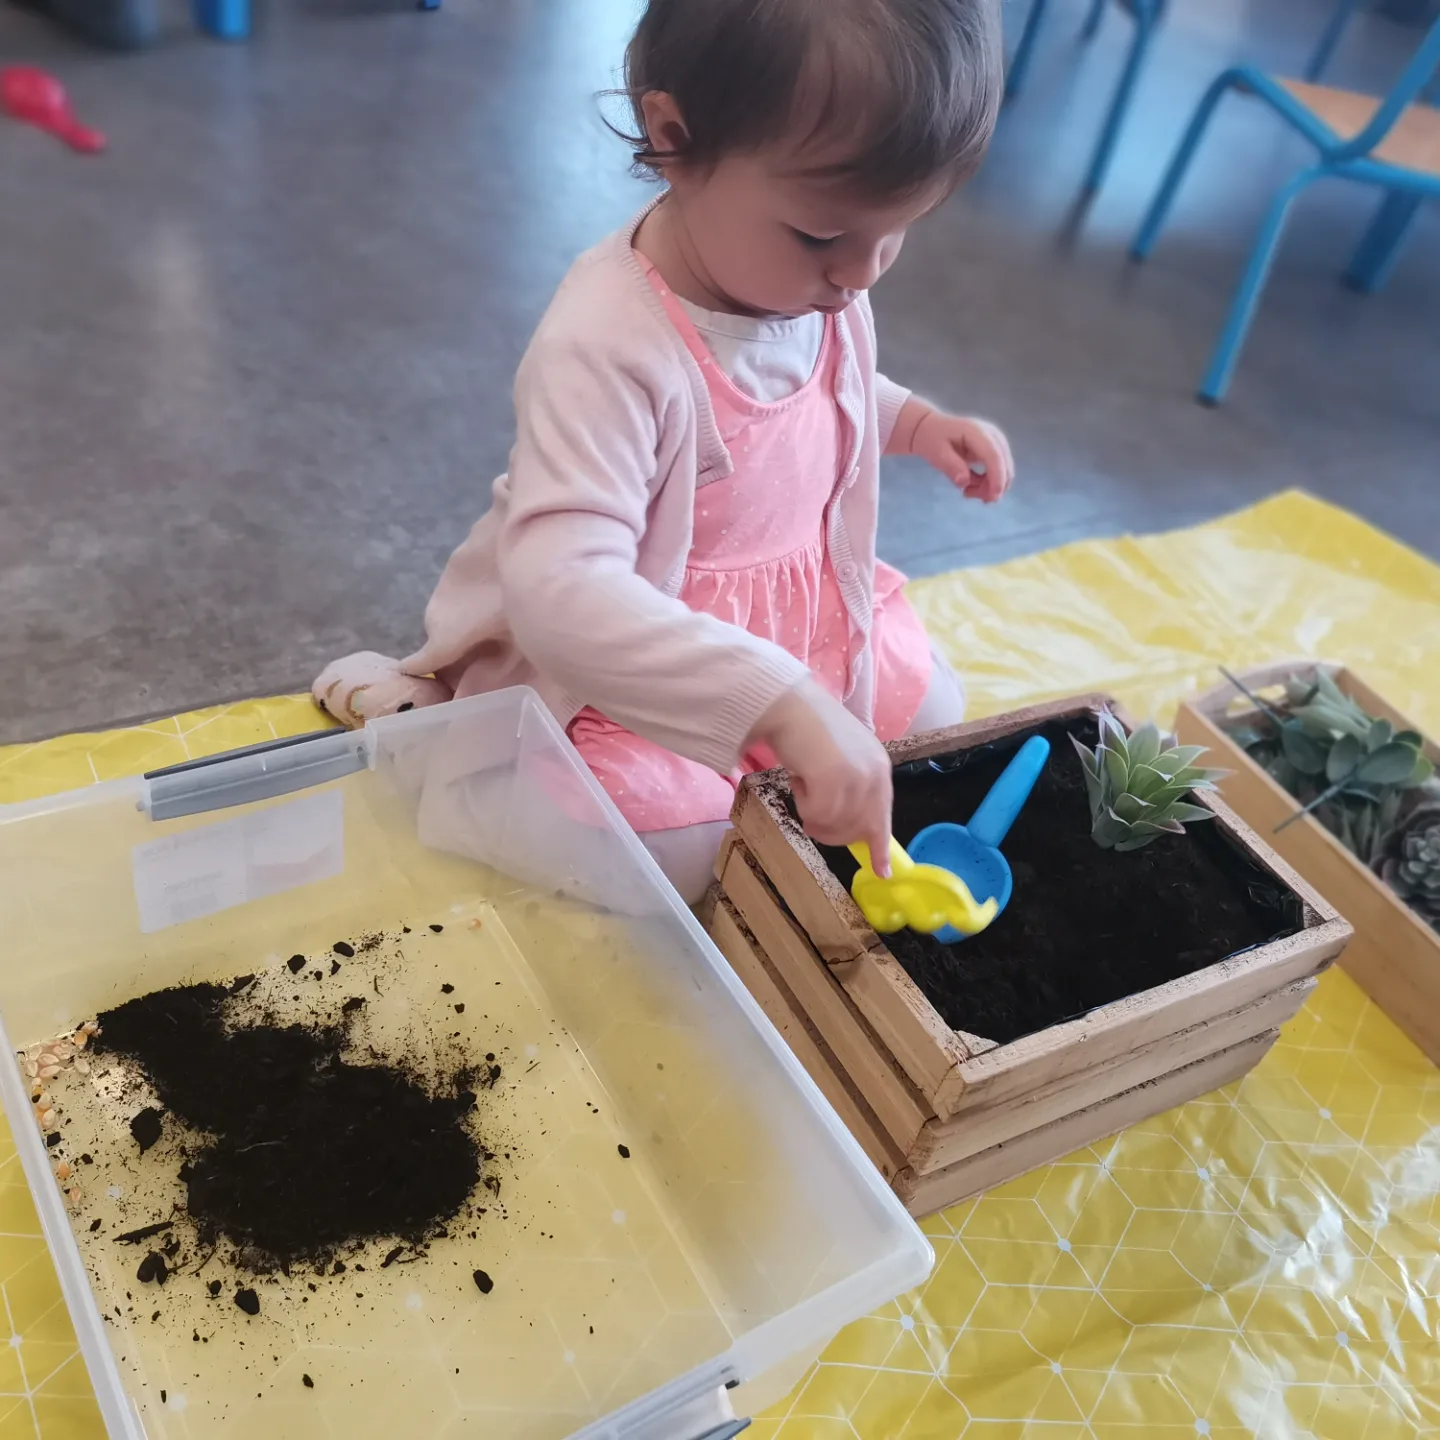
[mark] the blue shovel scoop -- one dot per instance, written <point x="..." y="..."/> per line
<point x="973" y="851"/>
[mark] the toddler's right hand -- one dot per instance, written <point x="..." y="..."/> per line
<point x="839" y="772"/>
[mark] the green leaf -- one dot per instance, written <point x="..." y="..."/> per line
<point x="1203" y="779"/>
<point x="1087" y="758"/>
<point x="1131" y="807"/>
<point x="1112" y="732"/>
<point x="1135" y="842"/>
<point x="1423" y="772"/>
<point x="1382" y="732"/>
<point x="1108" y="830"/>
<point x="1326" y="687"/>
<point x="1182" y="757"/>
<point x="1186" y="813"/>
<point x="1391" y="764"/>
<point x="1147" y="783"/>
<point x="1144" y="745"/>
<point x="1343" y="758"/>
<point x="1317" y="723"/>
<point x="1116" y="772"/>
<point x="1158" y="827"/>
<point x="1302" y="751"/>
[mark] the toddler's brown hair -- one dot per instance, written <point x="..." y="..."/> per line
<point x="892" y="93"/>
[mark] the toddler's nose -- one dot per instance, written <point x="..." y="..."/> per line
<point x="857" y="273"/>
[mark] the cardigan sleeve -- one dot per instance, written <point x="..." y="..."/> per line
<point x="580" y="479"/>
<point x="890" y="399"/>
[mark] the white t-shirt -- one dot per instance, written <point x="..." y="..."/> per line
<point x="767" y="360"/>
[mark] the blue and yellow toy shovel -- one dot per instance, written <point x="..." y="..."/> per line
<point x="924" y="897"/>
<point x="934" y="886"/>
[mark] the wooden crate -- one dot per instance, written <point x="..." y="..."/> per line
<point x="945" y="1114"/>
<point x="1395" y="956"/>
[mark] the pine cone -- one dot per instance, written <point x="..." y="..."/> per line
<point x="1410" y="864"/>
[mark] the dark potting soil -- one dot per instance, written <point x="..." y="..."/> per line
<point x="296" y="1150"/>
<point x="1085" y="926"/>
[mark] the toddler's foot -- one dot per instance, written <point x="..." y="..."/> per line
<point x="366" y="686"/>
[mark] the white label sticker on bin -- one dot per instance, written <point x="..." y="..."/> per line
<point x="215" y="867"/>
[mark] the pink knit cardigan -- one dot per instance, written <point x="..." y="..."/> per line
<point x="569" y="581"/>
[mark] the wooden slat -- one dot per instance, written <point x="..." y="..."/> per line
<point x="798" y="871"/>
<point x="763" y="981"/>
<point x="1395" y="956"/>
<point x="925" y="1194"/>
<point x="946" y="1142"/>
<point x="1117" y="1030"/>
<point x="928" y="1051"/>
<point x="900" y="1106"/>
<point x="975" y="733"/>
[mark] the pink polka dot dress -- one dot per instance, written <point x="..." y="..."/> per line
<point x="759" y="560"/>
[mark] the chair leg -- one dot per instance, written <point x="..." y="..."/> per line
<point x="1146" y="16"/>
<point x="1092" y="21"/>
<point x="1375" y="258"/>
<point x="1344" y="13"/>
<point x="1247" y="297"/>
<point x="1155" y="217"/>
<point x="1025" y="50"/>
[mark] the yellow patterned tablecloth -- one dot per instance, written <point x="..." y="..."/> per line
<point x="1263" y="1262"/>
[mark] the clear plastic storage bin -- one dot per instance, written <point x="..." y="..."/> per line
<point x="629" y="1299"/>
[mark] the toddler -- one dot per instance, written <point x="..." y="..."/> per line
<point x="681" y="558"/>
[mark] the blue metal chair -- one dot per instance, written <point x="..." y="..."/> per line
<point x="1339" y="22"/>
<point x="1147" y="15"/>
<point x="1392" y="143"/>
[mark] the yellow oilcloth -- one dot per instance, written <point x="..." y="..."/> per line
<point x="1263" y="1262"/>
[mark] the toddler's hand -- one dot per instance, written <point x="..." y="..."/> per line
<point x="973" y="454"/>
<point x="839" y="771"/>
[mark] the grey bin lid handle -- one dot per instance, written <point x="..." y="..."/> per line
<point x="258" y="772"/>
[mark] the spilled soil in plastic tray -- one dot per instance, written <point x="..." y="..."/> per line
<point x="1085" y="926"/>
<point x="296" y="1146"/>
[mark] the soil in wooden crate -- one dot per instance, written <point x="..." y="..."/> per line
<point x="298" y="1148"/>
<point x="1085" y="926"/>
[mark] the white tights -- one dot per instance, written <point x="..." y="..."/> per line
<point x="687" y="854"/>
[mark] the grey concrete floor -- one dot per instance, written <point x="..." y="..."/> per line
<point x="255" y="361"/>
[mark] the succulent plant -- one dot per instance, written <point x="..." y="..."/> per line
<point x="1137" y="785"/>
<point x="1410" y="862"/>
<point x="1336" y="759"/>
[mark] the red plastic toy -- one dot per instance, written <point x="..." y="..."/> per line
<point x="39" y="99"/>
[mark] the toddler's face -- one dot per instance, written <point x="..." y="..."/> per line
<point x="775" y="242"/>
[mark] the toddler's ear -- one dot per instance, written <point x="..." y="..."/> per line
<point x="665" y="126"/>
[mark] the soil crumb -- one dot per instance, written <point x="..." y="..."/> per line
<point x="483" y="1283"/>
<point x="153" y="1267"/>
<point x="1086" y="926"/>
<point x="145" y="1127"/>
<point x="290" y="1136"/>
<point x="247" y="1300"/>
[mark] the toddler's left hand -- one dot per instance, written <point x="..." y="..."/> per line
<point x="971" y="453"/>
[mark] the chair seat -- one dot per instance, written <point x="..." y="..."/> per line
<point x="1413" y="142"/>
